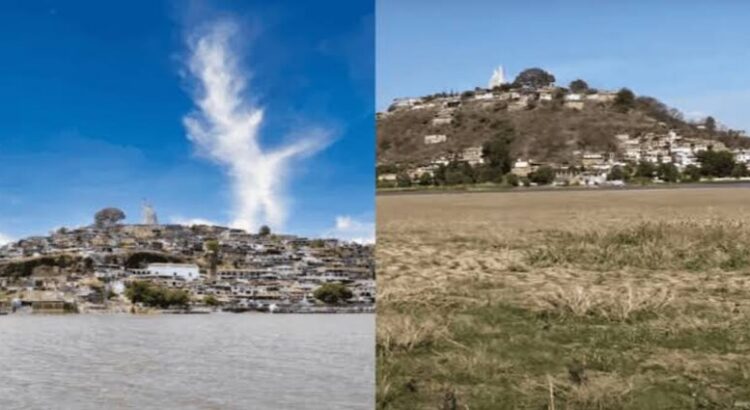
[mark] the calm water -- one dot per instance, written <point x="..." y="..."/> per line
<point x="221" y="361"/>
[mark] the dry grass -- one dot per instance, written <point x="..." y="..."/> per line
<point x="646" y="294"/>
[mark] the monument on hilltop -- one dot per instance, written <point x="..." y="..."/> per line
<point x="498" y="78"/>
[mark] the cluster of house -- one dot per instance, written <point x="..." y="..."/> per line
<point x="590" y="167"/>
<point x="250" y="271"/>
<point x="514" y="100"/>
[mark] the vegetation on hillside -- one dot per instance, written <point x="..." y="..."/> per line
<point x="545" y="131"/>
<point x="153" y="295"/>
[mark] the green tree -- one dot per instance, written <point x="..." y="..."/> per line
<point x="512" y="179"/>
<point x="153" y="295"/>
<point x="211" y="300"/>
<point x="668" y="172"/>
<point x="534" y="78"/>
<point x="543" y="176"/>
<point x="485" y="173"/>
<point x="710" y="124"/>
<point x="108" y="217"/>
<point x="616" y="174"/>
<point x="739" y="170"/>
<point x="212" y="250"/>
<point x="332" y="293"/>
<point x="403" y="180"/>
<point x="645" y="169"/>
<point x="716" y="163"/>
<point x="264" y="230"/>
<point x="624" y="100"/>
<point x="425" y="179"/>
<point x="578" y="86"/>
<point x="691" y="173"/>
<point x="497" y="151"/>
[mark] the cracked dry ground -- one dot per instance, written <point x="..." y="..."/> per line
<point x="566" y="300"/>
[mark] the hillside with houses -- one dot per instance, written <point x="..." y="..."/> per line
<point x="533" y="131"/>
<point x="113" y="267"/>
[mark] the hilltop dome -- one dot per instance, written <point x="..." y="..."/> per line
<point x="498" y="78"/>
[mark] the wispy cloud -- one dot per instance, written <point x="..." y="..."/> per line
<point x="353" y="230"/>
<point x="225" y="127"/>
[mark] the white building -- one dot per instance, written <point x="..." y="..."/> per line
<point x="435" y="139"/>
<point x="187" y="271"/>
<point x="473" y="155"/>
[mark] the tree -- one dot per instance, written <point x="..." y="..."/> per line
<point x="668" y="172"/>
<point x="716" y="163"/>
<point x="154" y="295"/>
<point x="645" y="169"/>
<point x="497" y="151"/>
<point x="332" y="293"/>
<point x="403" y="180"/>
<point x="512" y="180"/>
<point x="691" y="173"/>
<point x="578" y="86"/>
<point x="624" y="100"/>
<point x="211" y="300"/>
<point x="710" y="124"/>
<point x="739" y="170"/>
<point x="485" y="173"/>
<point x="616" y="174"/>
<point x="212" y="247"/>
<point x="543" y="176"/>
<point x="425" y="179"/>
<point x="264" y="230"/>
<point x="108" y="217"/>
<point x="534" y="78"/>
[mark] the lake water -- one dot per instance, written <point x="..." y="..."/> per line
<point x="218" y="361"/>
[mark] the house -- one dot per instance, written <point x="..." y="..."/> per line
<point x="186" y="271"/>
<point x="473" y="155"/>
<point x="442" y="120"/>
<point x="573" y="97"/>
<point x="602" y="96"/>
<point x="522" y="168"/>
<point x="389" y="177"/>
<point x="435" y="139"/>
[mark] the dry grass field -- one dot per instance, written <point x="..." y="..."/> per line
<point x="565" y="300"/>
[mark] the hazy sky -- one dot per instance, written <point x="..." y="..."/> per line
<point x="96" y="94"/>
<point x="690" y="54"/>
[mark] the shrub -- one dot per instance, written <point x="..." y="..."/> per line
<point x="332" y="293"/>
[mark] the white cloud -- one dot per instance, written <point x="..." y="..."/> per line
<point x="352" y="230"/>
<point x="192" y="221"/>
<point x="225" y="128"/>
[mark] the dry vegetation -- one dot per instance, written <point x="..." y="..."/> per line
<point x="546" y="132"/>
<point x="565" y="300"/>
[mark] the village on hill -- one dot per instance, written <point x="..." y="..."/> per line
<point x="532" y="132"/>
<point x="152" y="267"/>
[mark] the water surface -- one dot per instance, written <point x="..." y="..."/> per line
<point x="220" y="361"/>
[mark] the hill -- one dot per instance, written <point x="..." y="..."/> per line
<point x="549" y="123"/>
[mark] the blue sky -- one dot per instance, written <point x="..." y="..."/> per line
<point x="95" y="95"/>
<point x="690" y="54"/>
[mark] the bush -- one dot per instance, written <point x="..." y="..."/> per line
<point x="543" y="176"/>
<point x="425" y="179"/>
<point x="512" y="180"/>
<point x="153" y="295"/>
<point x="624" y="100"/>
<point x="403" y="180"/>
<point x="691" y="173"/>
<point x="332" y="293"/>
<point x="616" y="174"/>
